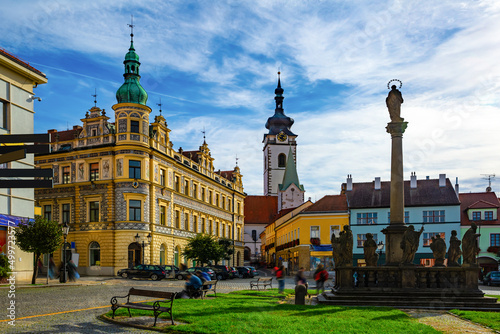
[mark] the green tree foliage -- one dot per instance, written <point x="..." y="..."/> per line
<point x="225" y="249"/>
<point x="4" y="267"/>
<point x="202" y="248"/>
<point x="39" y="236"/>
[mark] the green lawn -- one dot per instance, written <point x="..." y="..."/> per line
<point x="489" y="319"/>
<point x="264" y="312"/>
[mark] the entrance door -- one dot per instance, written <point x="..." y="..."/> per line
<point x="134" y="255"/>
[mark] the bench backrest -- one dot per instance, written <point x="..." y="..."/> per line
<point x="265" y="279"/>
<point x="151" y="293"/>
<point x="214" y="282"/>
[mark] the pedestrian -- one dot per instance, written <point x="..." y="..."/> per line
<point x="300" y="278"/>
<point x="192" y="287"/>
<point x="72" y="271"/>
<point x="320" y="276"/>
<point x="280" y="276"/>
<point x="52" y="267"/>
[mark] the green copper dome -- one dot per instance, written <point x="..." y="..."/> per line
<point x="131" y="91"/>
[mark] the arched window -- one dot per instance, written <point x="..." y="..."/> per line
<point x="162" y="255"/>
<point x="95" y="254"/>
<point x="282" y="160"/>
<point x="176" y="256"/>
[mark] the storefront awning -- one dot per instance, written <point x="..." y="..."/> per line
<point x="322" y="248"/>
<point x="7" y="220"/>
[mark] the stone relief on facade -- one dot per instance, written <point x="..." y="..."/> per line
<point x="81" y="171"/>
<point x="170" y="178"/>
<point x="56" y="173"/>
<point x="146" y="163"/>
<point x="119" y="167"/>
<point x="156" y="172"/>
<point x="105" y="169"/>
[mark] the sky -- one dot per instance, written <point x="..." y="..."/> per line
<point x="213" y="65"/>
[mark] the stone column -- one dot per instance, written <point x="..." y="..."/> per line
<point x="394" y="232"/>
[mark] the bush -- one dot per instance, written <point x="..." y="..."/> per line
<point x="4" y="267"/>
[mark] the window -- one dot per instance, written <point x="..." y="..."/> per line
<point x="195" y="191"/>
<point x="134" y="169"/>
<point x="186" y="221"/>
<point x="210" y="226"/>
<point x="3" y="114"/>
<point x="177" y="186"/>
<point x="66" y="213"/>
<point x="203" y="230"/>
<point x="407" y="217"/>
<point x="195" y="224"/>
<point x="223" y="202"/>
<point x="367" y="218"/>
<point x="134" y="126"/>
<point x="203" y="194"/>
<point x="434" y="216"/>
<point x="314" y="231"/>
<point x="362" y="239"/>
<point x="210" y="199"/>
<point x="66" y="176"/>
<point x="94" y="171"/>
<point x="93" y="132"/>
<point x="495" y="239"/>
<point x="223" y="230"/>
<point x="238" y="208"/>
<point x="94" y="254"/>
<point x="162" y="177"/>
<point x="428" y="238"/>
<point x="488" y="215"/>
<point x="334" y="229"/>
<point x="162" y="215"/>
<point x="229" y="235"/>
<point x="238" y="237"/>
<point x="229" y="204"/>
<point x="476" y="215"/>
<point x="217" y="228"/>
<point x="177" y="219"/>
<point x="217" y="200"/>
<point x="282" y="160"/>
<point x="47" y="212"/>
<point x="186" y="188"/>
<point x="134" y="210"/>
<point x="94" y="211"/>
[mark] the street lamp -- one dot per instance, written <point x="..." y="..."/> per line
<point x="65" y="231"/>
<point x="138" y="239"/>
<point x="380" y="246"/>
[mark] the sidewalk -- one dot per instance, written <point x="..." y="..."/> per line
<point x="41" y="282"/>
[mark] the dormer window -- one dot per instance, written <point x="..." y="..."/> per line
<point x="476" y="215"/>
<point x="94" y="132"/>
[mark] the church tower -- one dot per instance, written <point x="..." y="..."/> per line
<point x="279" y="143"/>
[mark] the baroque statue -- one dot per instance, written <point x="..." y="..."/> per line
<point x="470" y="248"/>
<point x="336" y="249"/>
<point x="370" y="250"/>
<point x="454" y="251"/>
<point x="409" y="244"/>
<point x="438" y="247"/>
<point x="393" y="102"/>
<point x="345" y="240"/>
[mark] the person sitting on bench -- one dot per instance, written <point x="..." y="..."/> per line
<point x="192" y="287"/>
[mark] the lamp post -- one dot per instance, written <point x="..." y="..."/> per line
<point x="65" y="230"/>
<point x="380" y="246"/>
<point x="138" y="239"/>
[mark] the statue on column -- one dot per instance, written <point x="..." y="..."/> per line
<point x="470" y="248"/>
<point x="438" y="247"/>
<point x="409" y="244"/>
<point x="393" y="102"/>
<point x="454" y="251"/>
<point x="370" y="250"/>
<point x="346" y="239"/>
<point x="336" y="249"/>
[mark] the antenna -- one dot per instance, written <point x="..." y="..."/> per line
<point x="488" y="177"/>
<point x="95" y="97"/>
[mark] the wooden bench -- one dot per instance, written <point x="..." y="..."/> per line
<point x="208" y="286"/>
<point x="157" y="308"/>
<point x="262" y="282"/>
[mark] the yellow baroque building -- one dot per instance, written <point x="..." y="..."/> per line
<point x="301" y="236"/>
<point x="128" y="196"/>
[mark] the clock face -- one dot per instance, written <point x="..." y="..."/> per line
<point x="282" y="136"/>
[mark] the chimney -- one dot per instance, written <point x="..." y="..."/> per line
<point x="456" y="186"/>
<point x="413" y="180"/>
<point x="442" y="180"/>
<point x="377" y="183"/>
<point x="349" y="182"/>
<point x="427" y="177"/>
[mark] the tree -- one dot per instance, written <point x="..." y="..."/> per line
<point x="39" y="236"/>
<point x="202" y="248"/>
<point x="4" y="268"/>
<point x="225" y="249"/>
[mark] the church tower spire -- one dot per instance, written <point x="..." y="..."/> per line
<point x="291" y="192"/>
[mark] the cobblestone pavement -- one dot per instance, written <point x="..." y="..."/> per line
<point x="73" y="308"/>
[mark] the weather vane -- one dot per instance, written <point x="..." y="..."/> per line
<point x="389" y="83"/>
<point x="203" y="134"/>
<point x="237" y="159"/>
<point x="159" y="105"/>
<point x="131" y="25"/>
<point x="95" y="97"/>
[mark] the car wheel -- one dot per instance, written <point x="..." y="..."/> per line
<point x="124" y="275"/>
<point x="219" y="277"/>
<point x="180" y="277"/>
<point x="154" y="277"/>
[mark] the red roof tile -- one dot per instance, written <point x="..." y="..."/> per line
<point x="261" y="209"/>
<point x="485" y="200"/>
<point x="21" y="62"/>
<point x="329" y="203"/>
<point x="193" y="155"/>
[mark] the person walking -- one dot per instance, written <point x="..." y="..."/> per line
<point x="280" y="277"/>
<point x="320" y="276"/>
<point x="300" y="278"/>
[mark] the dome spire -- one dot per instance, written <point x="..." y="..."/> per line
<point x="279" y="121"/>
<point x="279" y="95"/>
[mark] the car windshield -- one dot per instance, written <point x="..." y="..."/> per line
<point x="495" y="274"/>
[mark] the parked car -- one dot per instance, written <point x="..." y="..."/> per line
<point x="234" y="272"/>
<point x="182" y="275"/>
<point x="168" y="269"/>
<point x="221" y="271"/>
<point x="491" y="278"/>
<point x="143" y="271"/>
<point x="254" y="271"/>
<point x="245" y="272"/>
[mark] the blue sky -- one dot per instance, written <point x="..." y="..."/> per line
<point x="213" y="64"/>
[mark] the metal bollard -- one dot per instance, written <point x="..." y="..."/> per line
<point x="300" y="294"/>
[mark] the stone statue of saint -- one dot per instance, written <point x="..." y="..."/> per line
<point x="393" y="102"/>
<point x="336" y="250"/>
<point x="409" y="244"/>
<point x="346" y="246"/>
<point x="438" y="247"/>
<point x="370" y="250"/>
<point x="470" y="248"/>
<point x="454" y="251"/>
